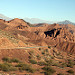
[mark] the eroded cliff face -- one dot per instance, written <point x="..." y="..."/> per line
<point x="69" y="47"/>
<point x="15" y="22"/>
<point x="53" y="34"/>
<point x="61" y="33"/>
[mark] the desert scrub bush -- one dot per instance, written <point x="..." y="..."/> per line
<point x="31" y="52"/>
<point x="33" y="61"/>
<point x="52" y="57"/>
<point x="6" y="59"/>
<point x="70" y="63"/>
<point x="47" y="54"/>
<point x="56" y="64"/>
<point x="43" y="53"/>
<point x="13" y="68"/>
<point x="5" y="66"/>
<point x="49" y="46"/>
<point x="15" y="60"/>
<point x="26" y="67"/>
<point x="70" y="71"/>
<point x="64" y="65"/>
<point x="58" y="54"/>
<point x="60" y="74"/>
<point x="9" y="36"/>
<point x="60" y="61"/>
<point x="20" y="65"/>
<point x="30" y="57"/>
<point x="49" y="62"/>
<point x="29" y="69"/>
<point x="48" y="70"/>
<point x="39" y="48"/>
<point x="9" y="64"/>
<point x="41" y="63"/>
<point x="46" y="50"/>
<point x="38" y="57"/>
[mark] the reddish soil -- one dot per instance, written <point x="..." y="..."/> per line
<point x="61" y="38"/>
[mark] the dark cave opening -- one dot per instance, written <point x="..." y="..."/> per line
<point x="51" y="33"/>
<point x="58" y="32"/>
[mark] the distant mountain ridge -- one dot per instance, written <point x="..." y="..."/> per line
<point x="36" y="20"/>
<point x="66" y="22"/>
<point x="4" y="17"/>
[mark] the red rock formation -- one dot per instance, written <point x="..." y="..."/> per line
<point x="67" y="46"/>
<point x="15" y="22"/>
<point x="46" y="35"/>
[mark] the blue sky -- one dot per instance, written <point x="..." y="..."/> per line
<point x="52" y="10"/>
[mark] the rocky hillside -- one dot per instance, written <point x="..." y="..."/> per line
<point x="20" y="56"/>
<point x="46" y="34"/>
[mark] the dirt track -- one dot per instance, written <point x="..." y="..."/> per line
<point x="24" y="47"/>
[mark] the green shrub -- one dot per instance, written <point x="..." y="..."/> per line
<point x="33" y="61"/>
<point x="39" y="48"/>
<point x="43" y="52"/>
<point x="38" y="57"/>
<point x="70" y="61"/>
<point x="46" y="50"/>
<point x="70" y="65"/>
<point x="47" y="54"/>
<point x="15" y="60"/>
<point x="13" y="68"/>
<point x="55" y="64"/>
<point x="41" y="63"/>
<point x="58" y="54"/>
<point x="30" y="57"/>
<point x="60" y="62"/>
<point x="9" y="64"/>
<point x="26" y="67"/>
<point x="48" y="70"/>
<point x="64" y="65"/>
<point x="70" y="71"/>
<point x="6" y="59"/>
<point x="5" y="67"/>
<point x="47" y="73"/>
<point x="49" y="47"/>
<point x="49" y="62"/>
<point x="20" y="65"/>
<point x="52" y="57"/>
<point x="60" y="74"/>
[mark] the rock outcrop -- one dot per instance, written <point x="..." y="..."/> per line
<point x="46" y="34"/>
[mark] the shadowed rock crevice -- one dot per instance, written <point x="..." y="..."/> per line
<point x="58" y="32"/>
<point x="36" y="32"/>
<point x="50" y="33"/>
<point x="53" y="33"/>
<point x="21" y="27"/>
